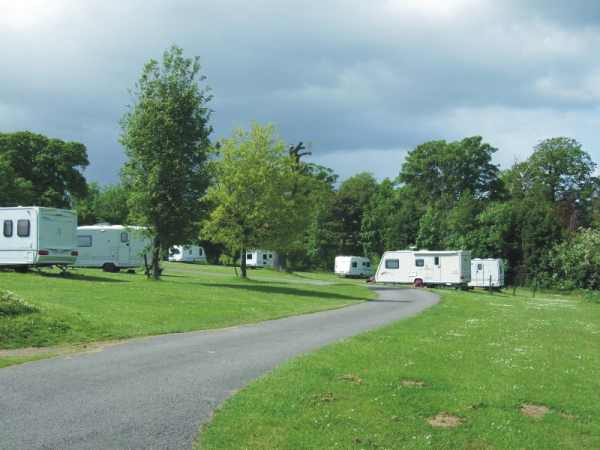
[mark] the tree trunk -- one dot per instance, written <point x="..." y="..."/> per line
<point x="156" y="258"/>
<point x="243" y="263"/>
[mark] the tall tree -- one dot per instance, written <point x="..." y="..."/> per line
<point x="350" y="204"/>
<point x="438" y="168"/>
<point x="49" y="170"/>
<point x="166" y="139"/>
<point x="255" y="196"/>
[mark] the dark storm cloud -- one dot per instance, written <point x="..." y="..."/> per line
<point x="360" y="80"/>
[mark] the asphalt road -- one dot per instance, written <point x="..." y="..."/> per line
<point x="153" y="393"/>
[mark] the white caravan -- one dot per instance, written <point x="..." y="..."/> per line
<point x="425" y="267"/>
<point x="112" y="247"/>
<point x="261" y="258"/>
<point x="353" y="266"/>
<point x="187" y="253"/>
<point x="37" y="236"/>
<point x="487" y="273"/>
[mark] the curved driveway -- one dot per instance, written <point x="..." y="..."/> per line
<point x="153" y="393"/>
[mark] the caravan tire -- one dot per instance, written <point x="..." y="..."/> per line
<point x="418" y="283"/>
<point x="109" y="267"/>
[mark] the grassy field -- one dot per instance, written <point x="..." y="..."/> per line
<point x="89" y="305"/>
<point x="477" y="371"/>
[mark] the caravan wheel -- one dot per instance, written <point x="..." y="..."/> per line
<point x="418" y="283"/>
<point x="109" y="267"/>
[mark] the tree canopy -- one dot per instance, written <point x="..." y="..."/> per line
<point x="255" y="197"/>
<point x="166" y="139"/>
<point x="46" y="172"/>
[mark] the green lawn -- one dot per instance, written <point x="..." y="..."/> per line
<point x="90" y="305"/>
<point x="475" y="358"/>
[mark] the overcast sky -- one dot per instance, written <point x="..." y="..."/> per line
<point x="362" y="81"/>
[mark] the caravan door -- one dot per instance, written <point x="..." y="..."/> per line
<point x="124" y="249"/>
<point x="478" y="274"/>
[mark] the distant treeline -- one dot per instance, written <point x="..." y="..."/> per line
<point x="542" y="215"/>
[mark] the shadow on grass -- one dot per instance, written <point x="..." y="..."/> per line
<point x="270" y="289"/>
<point x="80" y="277"/>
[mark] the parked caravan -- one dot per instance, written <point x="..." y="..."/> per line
<point x="353" y="266"/>
<point x="425" y="267"/>
<point x="36" y="236"/>
<point x="112" y="247"/>
<point x="187" y="253"/>
<point x="261" y="258"/>
<point x="487" y="273"/>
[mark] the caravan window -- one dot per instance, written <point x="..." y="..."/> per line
<point x="479" y="266"/>
<point x="124" y="237"/>
<point x="249" y="256"/>
<point x="436" y="260"/>
<point x="84" y="241"/>
<point x="23" y="227"/>
<point x="392" y="263"/>
<point x="354" y="264"/>
<point x="366" y="264"/>
<point x="200" y="251"/>
<point x="8" y="228"/>
<point x="419" y="262"/>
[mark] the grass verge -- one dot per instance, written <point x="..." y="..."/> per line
<point x="477" y="371"/>
<point x="89" y="305"/>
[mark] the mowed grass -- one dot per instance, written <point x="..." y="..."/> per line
<point x="90" y="305"/>
<point x="473" y="361"/>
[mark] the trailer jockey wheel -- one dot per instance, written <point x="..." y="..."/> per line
<point x="418" y="283"/>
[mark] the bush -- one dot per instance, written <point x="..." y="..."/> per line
<point x="575" y="263"/>
<point x="13" y="305"/>
<point x="592" y="297"/>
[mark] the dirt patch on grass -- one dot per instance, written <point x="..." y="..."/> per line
<point x="325" y="397"/>
<point x="567" y="416"/>
<point x="351" y="378"/>
<point x="412" y="383"/>
<point x="535" y="411"/>
<point x="444" y="420"/>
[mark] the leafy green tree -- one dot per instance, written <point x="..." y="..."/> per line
<point x="166" y="139"/>
<point x="47" y="172"/>
<point x="377" y="221"/>
<point x="103" y="204"/>
<point x="431" y="229"/>
<point x="350" y="203"/>
<point x="562" y="169"/>
<point x="461" y="222"/>
<point x="14" y="190"/>
<point x="255" y="197"/>
<point x="575" y="263"/>
<point x="436" y="169"/>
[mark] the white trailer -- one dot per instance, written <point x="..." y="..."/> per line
<point x="353" y="266"/>
<point x="425" y="267"/>
<point x="187" y="253"/>
<point x="261" y="258"/>
<point x="487" y="273"/>
<point x="112" y="247"/>
<point x="37" y="236"/>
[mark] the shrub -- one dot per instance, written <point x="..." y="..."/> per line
<point x="575" y="263"/>
<point x="13" y="305"/>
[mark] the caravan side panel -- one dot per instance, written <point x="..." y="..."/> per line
<point x="15" y="249"/>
